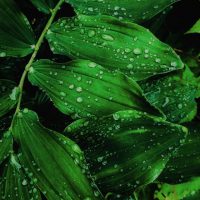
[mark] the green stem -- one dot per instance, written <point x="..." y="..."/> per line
<point x="36" y="49"/>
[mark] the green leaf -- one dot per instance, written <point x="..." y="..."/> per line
<point x="127" y="149"/>
<point x="114" y="44"/>
<point x="14" y="185"/>
<point x="184" y="191"/>
<point x="16" y="35"/>
<point x="134" y="10"/>
<point x="195" y="28"/>
<point x="174" y="95"/>
<point x="44" y="6"/>
<point x="5" y="145"/>
<point x="53" y="162"/>
<point x="184" y="165"/>
<point x="84" y="88"/>
<point x="8" y="98"/>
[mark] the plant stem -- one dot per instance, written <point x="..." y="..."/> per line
<point x="36" y="49"/>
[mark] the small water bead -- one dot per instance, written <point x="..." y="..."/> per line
<point x="174" y="64"/>
<point x="90" y="9"/>
<point x="24" y="182"/>
<point x="137" y="51"/>
<point x="91" y="33"/>
<point x="79" y="89"/>
<point x="180" y="106"/>
<point x="2" y="54"/>
<point x="158" y="60"/>
<point x="92" y="64"/>
<point x="31" y="70"/>
<point x="63" y="94"/>
<point x="130" y="66"/>
<point x="127" y="50"/>
<point x="79" y="99"/>
<point x="71" y="86"/>
<point x="107" y="37"/>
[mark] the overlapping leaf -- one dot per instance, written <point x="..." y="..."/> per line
<point x="185" y="164"/>
<point x="53" y="162"/>
<point x="183" y="191"/>
<point x="127" y="149"/>
<point x="116" y="45"/>
<point x="85" y="88"/>
<point x="44" y="6"/>
<point x="14" y="185"/>
<point x="5" y="145"/>
<point x="134" y="10"/>
<point x="16" y="35"/>
<point x="174" y="95"/>
<point x="8" y="96"/>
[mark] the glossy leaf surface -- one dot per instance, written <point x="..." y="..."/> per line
<point x="174" y="95"/>
<point x="5" y="145"/>
<point x="127" y="149"/>
<point x="84" y="88"/>
<point x="133" y="10"/>
<point x="8" y="96"/>
<point x="16" y="35"/>
<point x="185" y="164"/>
<point x="116" y="45"/>
<point x="14" y="185"/>
<point x="53" y="162"/>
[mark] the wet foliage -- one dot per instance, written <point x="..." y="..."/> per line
<point x="99" y="99"/>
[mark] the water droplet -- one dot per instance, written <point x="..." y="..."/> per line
<point x="79" y="99"/>
<point x="63" y="94"/>
<point x="129" y="66"/>
<point x="2" y="54"/>
<point x="71" y="86"/>
<point x="79" y="89"/>
<point x="107" y="37"/>
<point x="92" y="64"/>
<point x="91" y="33"/>
<point x="174" y="64"/>
<point x="137" y="51"/>
<point x="24" y="182"/>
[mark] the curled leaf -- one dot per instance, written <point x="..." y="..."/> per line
<point x="174" y="95"/>
<point x="85" y="88"/>
<point x="127" y="149"/>
<point x="53" y="162"/>
<point x="114" y="44"/>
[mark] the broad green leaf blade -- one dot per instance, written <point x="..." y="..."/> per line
<point x="14" y="185"/>
<point x="133" y="10"/>
<point x="174" y="95"/>
<point x="184" y="165"/>
<point x="195" y="28"/>
<point x="127" y="149"/>
<point x="84" y="88"/>
<point x="183" y="191"/>
<point x="53" y="162"/>
<point x="8" y="96"/>
<point x="116" y="45"/>
<point x="16" y="35"/>
<point x="5" y="145"/>
<point x="44" y="6"/>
